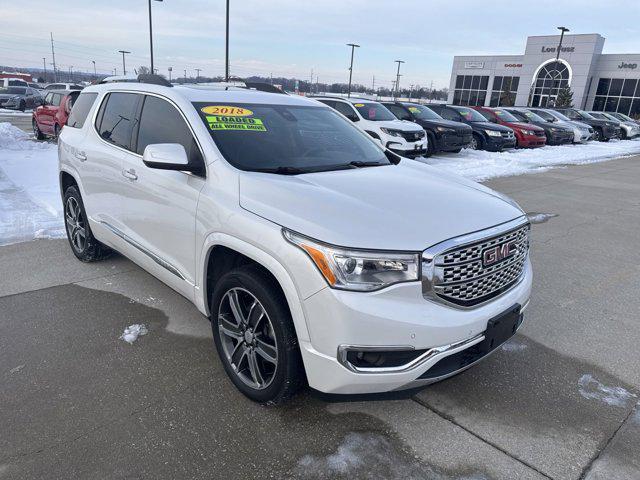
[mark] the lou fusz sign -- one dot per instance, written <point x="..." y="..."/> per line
<point x="553" y="49"/>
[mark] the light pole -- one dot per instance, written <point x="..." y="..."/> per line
<point x="151" y="35"/>
<point x="353" y="47"/>
<point x="124" y="66"/>
<point x="398" y="77"/>
<point x="198" y="70"/>
<point x="185" y="76"/>
<point x="226" y="48"/>
<point x="170" y="70"/>
<point x="44" y="64"/>
<point x="94" y="69"/>
<point x="71" y="73"/>
<point x="555" y="81"/>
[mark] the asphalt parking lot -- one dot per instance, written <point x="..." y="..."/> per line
<point x="558" y="401"/>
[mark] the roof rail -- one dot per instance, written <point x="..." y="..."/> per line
<point x="153" y="79"/>
<point x="264" y="87"/>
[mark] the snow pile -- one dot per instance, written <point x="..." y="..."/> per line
<point x="30" y="203"/>
<point x="132" y="332"/>
<point x="480" y="165"/>
<point x="17" y="113"/>
<point x="592" y="389"/>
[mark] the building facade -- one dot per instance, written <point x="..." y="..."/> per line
<point x="609" y="82"/>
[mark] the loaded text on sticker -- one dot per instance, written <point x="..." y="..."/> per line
<point x="414" y="109"/>
<point x="227" y="110"/>
<point x="359" y="104"/>
<point x="235" y="123"/>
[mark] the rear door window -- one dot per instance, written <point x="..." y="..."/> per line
<point x="450" y="114"/>
<point x="116" y="118"/>
<point x="399" y="112"/>
<point x="346" y="110"/>
<point x="160" y="122"/>
<point x="81" y="109"/>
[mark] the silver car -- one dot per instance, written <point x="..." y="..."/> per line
<point x="581" y="131"/>
<point x="19" y="98"/>
<point x="628" y="129"/>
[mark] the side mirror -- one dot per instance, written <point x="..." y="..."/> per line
<point x="353" y="118"/>
<point x="166" y="156"/>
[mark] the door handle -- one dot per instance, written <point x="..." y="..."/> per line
<point x="130" y="174"/>
<point x="81" y="156"/>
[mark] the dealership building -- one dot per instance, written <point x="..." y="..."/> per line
<point x="598" y="81"/>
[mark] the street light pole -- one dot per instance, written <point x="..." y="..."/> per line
<point x="398" y="77"/>
<point x="44" y="64"/>
<point x="71" y="73"/>
<point x="124" y="66"/>
<point x="353" y="47"/>
<point x="226" y="55"/>
<point x="198" y="70"/>
<point x="555" y="81"/>
<point x="151" y="35"/>
<point x="170" y="70"/>
<point x="95" y="74"/>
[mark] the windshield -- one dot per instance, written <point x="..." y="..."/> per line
<point x="470" y="115"/>
<point x="608" y="116"/>
<point x="287" y="139"/>
<point x="374" y="112"/>
<point x="423" y="112"/>
<point x="584" y="114"/>
<point x="12" y="90"/>
<point x="560" y="116"/>
<point x="600" y="116"/>
<point x="505" y="116"/>
<point x="546" y="116"/>
<point x="530" y="116"/>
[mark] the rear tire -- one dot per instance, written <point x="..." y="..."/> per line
<point x="431" y="145"/>
<point x="56" y="131"/>
<point x="83" y="244"/>
<point x="36" y="130"/>
<point x="22" y="106"/>
<point x="255" y="338"/>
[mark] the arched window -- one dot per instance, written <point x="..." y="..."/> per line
<point x="550" y="79"/>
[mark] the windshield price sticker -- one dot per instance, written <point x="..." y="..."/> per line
<point x="223" y="122"/>
<point x="414" y="109"/>
<point x="359" y="105"/>
<point x="227" y="110"/>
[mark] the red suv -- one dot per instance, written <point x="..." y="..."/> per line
<point x="527" y="135"/>
<point x="48" y="119"/>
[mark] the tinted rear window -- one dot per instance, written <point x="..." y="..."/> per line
<point x="116" y="118"/>
<point x="374" y="112"/>
<point x="80" y="109"/>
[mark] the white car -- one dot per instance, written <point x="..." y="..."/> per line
<point x="400" y="136"/>
<point x="318" y="255"/>
<point x="63" y="86"/>
<point x="581" y="131"/>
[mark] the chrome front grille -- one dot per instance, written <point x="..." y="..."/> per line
<point x="458" y="272"/>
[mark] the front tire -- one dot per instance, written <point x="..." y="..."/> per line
<point x="476" y="142"/>
<point x="431" y="145"/>
<point x="83" y="244"/>
<point x="254" y="336"/>
<point x="22" y="106"/>
<point x="56" y="131"/>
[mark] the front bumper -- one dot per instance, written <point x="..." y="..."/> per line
<point x="531" y="141"/>
<point x="497" y="144"/>
<point x="448" y="142"/>
<point x="407" y="149"/>
<point x="559" y="138"/>
<point x="396" y="316"/>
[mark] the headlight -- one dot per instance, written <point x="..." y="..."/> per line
<point x="527" y="132"/>
<point x="357" y="270"/>
<point x="553" y="129"/>
<point x="445" y="129"/>
<point x="493" y="133"/>
<point x="392" y="132"/>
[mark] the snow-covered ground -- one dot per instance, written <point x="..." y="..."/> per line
<point x="30" y="205"/>
<point x="479" y="165"/>
<point x="17" y="113"/>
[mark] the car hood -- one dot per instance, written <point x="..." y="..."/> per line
<point x="5" y="96"/>
<point x="444" y="123"/>
<point x="403" y="125"/>
<point x="409" y="206"/>
<point x="526" y="126"/>
<point x="491" y="126"/>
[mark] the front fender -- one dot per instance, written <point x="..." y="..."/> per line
<point x="261" y="257"/>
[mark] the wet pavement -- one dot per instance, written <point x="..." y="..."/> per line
<point x="558" y="401"/>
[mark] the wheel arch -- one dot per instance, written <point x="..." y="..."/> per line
<point x="222" y="252"/>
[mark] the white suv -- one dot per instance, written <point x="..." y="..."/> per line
<point x="400" y="136"/>
<point x="317" y="254"/>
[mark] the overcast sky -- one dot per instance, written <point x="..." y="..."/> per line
<point x="289" y="38"/>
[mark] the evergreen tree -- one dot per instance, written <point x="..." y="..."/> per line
<point x="565" y="97"/>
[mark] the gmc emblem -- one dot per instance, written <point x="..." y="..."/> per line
<point x="499" y="252"/>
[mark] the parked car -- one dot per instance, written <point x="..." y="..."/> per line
<point x="604" y="130"/>
<point x="627" y="130"/>
<point x="527" y="135"/>
<point x="317" y="254"/>
<point x="624" y="118"/>
<point x="556" y="134"/>
<point x="39" y="88"/>
<point x="48" y="119"/>
<point x="486" y="135"/>
<point x="12" y="82"/>
<point x="19" y="98"/>
<point x="404" y="138"/>
<point x="63" y="86"/>
<point x="582" y="132"/>
<point x="442" y="135"/>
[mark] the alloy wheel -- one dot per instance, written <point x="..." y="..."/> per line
<point x="76" y="228"/>
<point x="248" y="338"/>
<point x="474" y="143"/>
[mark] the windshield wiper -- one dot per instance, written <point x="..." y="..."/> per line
<point x="361" y="164"/>
<point x="282" y="170"/>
